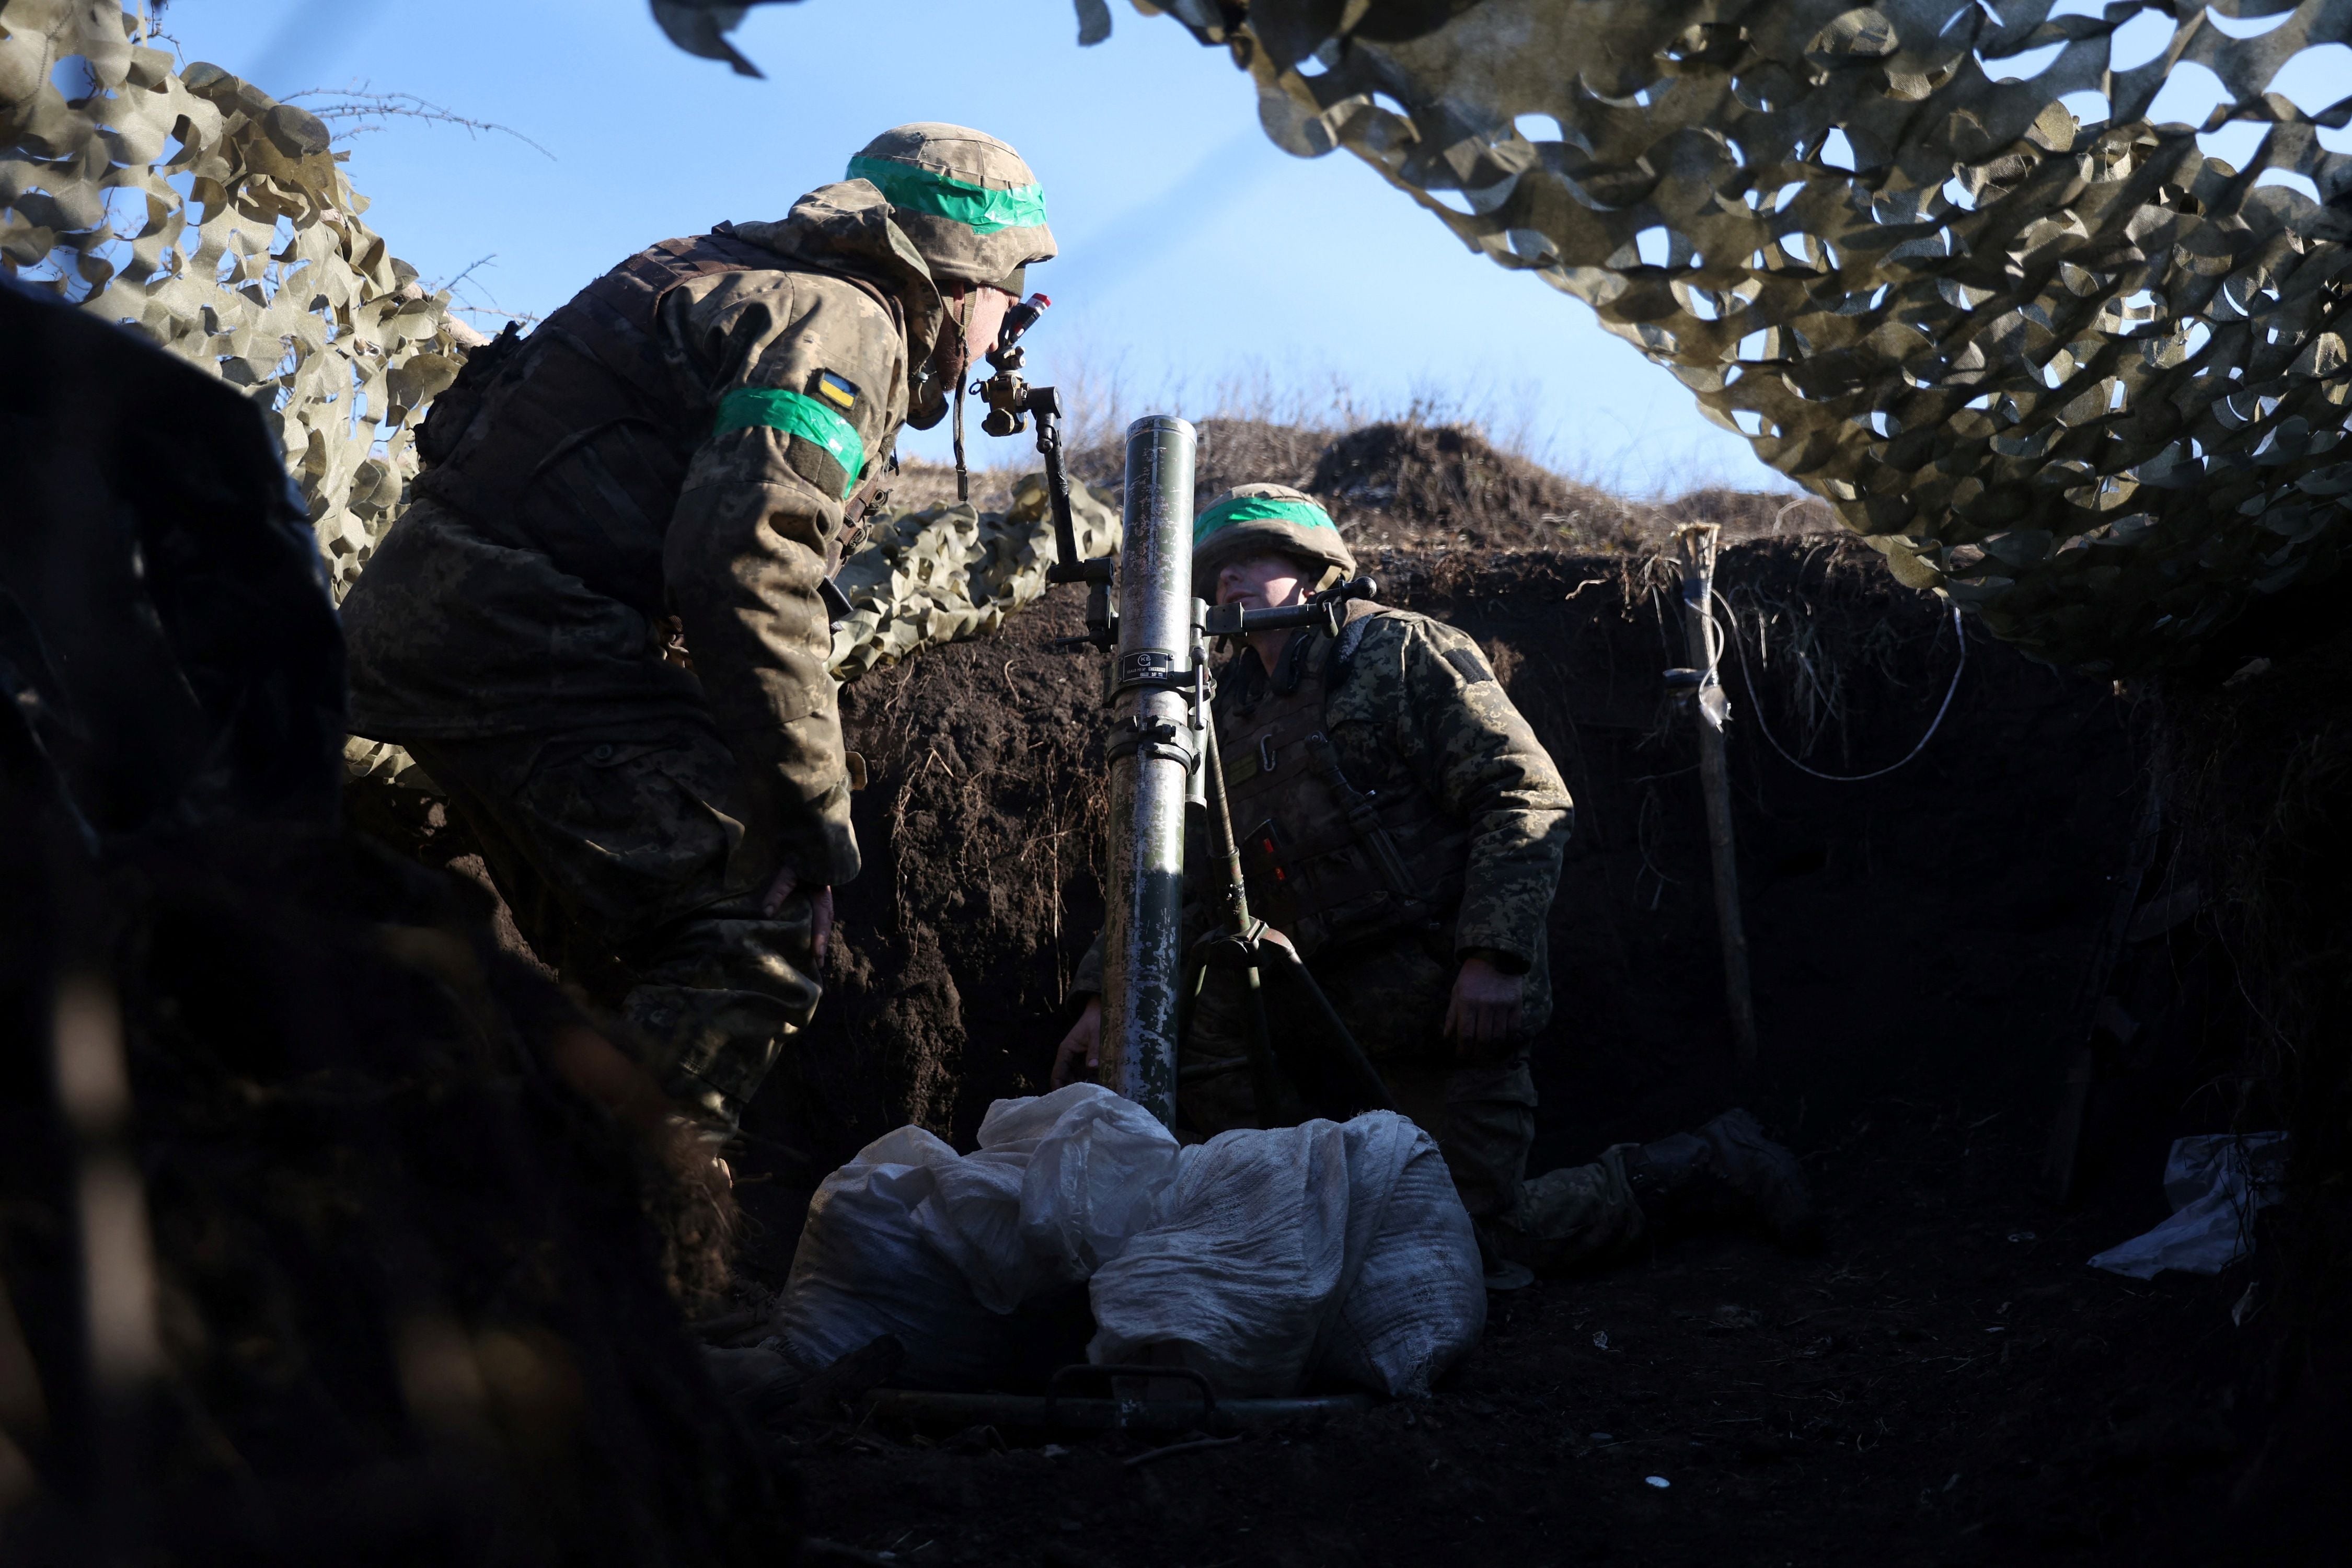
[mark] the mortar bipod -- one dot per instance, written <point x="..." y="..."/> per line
<point x="1241" y="943"/>
<point x="1102" y="621"/>
<point x="1011" y="404"/>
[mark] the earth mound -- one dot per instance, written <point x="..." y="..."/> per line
<point x="1407" y="483"/>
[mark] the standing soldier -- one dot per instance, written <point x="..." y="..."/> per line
<point x="1443" y="981"/>
<point x="677" y="451"/>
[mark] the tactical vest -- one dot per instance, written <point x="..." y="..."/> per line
<point x="1327" y="864"/>
<point x="579" y="444"/>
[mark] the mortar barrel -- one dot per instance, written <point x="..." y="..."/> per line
<point x="1151" y="752"/>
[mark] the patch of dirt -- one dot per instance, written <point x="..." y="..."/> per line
<point x="1950" y="1386"/>
<point x="981" y="827"/>
<point x="1410" y="484"/>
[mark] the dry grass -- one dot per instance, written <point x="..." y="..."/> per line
<point x="1432" y="473"/>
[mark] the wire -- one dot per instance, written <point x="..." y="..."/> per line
<point x="1756" y="704"/>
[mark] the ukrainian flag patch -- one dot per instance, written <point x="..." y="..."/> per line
<point x="837" y="390"/>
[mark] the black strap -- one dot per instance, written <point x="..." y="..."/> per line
<point x="1468" y="666"/>
<point x="1342" y="661"/>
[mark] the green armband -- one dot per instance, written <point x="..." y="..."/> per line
<point x="799" y="416"/>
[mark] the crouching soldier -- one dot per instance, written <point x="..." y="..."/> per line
<point x="680" y="446"/>
<point x="1444" y="982"/>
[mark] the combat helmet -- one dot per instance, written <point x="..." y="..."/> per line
<point x="966" y="199"/>
<point x="1257" y="520"/>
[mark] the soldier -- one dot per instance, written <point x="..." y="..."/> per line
<point x="1444" y="982"/>
<point x="674" y="452"/>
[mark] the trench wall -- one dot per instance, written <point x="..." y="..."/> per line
<point x="1934" y="920"/>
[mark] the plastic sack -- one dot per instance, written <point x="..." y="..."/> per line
<point x="1419" y="1297"/>
<point x="1322" y="1249"/>
<point x="866" y="1268"/>
<point x="945" y="1250"/>
<point x="1269" y="1257"/>
<point x="2215" y="1184"/>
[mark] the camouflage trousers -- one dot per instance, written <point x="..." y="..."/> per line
<point x="617" y="851"/>
<point x="1483" y="1114"/>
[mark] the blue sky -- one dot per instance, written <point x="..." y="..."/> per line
<point x="1197" y="259"/>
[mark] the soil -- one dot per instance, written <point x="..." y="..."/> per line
<point x="1948" y="1382"/>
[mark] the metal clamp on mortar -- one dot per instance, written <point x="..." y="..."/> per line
<point x="1138" y="735"/>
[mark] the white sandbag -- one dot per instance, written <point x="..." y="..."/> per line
<point x="866" y="1268"/>
<point x="911" y="1240"/>
<point x="1292" y="1251"/>
<point x="1102" y="1173"/>
<point x="1268" y="1258"/>
<point x="2215" y="1184"/>
<point x="1059" y="1183"/>
<point x="1419" y="1297"/>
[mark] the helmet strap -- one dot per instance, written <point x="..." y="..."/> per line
<point x="963" y="362"/>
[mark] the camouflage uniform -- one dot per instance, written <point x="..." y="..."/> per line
<point x="684" y="439"/>
<point x="1414" y="717"/>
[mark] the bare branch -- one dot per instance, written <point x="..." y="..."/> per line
<point x="471" y="268"/>
<point x="356" y="110"/>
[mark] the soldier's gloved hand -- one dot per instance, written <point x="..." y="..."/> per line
<point x="1084" y="1042"/>
<point x="1482" y="1017"/>
<point x="820" y="908"/>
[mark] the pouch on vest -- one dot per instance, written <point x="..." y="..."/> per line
<point x="450" y="415"/>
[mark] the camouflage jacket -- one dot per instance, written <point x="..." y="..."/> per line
<point x="500" y="605"/>
<point x="1420" y="710"/>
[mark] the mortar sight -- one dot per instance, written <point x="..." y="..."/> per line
<point x="1324" y="611"/>
<point x="1010" y="400"/>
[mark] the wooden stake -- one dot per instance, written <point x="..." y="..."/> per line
<point x="2061" y="1162"/>
<point x="1713" y="709"/>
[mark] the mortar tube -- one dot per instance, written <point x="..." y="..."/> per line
<point x="1151" y="761"/>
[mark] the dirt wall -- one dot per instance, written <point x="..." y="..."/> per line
<point x="1906" y="919"/>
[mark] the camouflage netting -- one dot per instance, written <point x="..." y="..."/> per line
<point x="217" y="220"/>
<point x="935" y="576"/>
<point x="2070" y="370"/>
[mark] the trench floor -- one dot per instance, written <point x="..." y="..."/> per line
<point x="1947" y="1384"/>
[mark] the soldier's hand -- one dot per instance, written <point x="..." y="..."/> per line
<point x="1082" y="1044"/>
<point x="778" y="891"/>
<point x="1484" y="1013"/>
<point x="820" y="908"/>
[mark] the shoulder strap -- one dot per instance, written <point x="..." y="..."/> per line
<point x="1360" y="616"/>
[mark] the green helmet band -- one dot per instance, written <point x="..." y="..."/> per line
<point x="977" y="207"/>
<point x="1260" y="509"/>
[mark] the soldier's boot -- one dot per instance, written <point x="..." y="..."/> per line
<point x="1727" y="1173"/>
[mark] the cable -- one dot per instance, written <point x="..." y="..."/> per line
<point x="1756" y="705"/>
